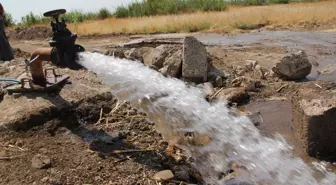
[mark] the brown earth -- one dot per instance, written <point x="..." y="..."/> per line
<point x="38" y="32"/>
<point x="123" y="147"/>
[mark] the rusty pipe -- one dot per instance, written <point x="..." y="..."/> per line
<point x="36" y="66"/>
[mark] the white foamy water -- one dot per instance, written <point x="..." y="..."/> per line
<point x="177" y="109"/>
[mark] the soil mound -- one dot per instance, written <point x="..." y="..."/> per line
<point x="30" y="33"/>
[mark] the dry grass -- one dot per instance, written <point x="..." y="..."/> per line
<point x="297" y="14"/>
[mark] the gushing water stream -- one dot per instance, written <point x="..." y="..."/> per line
<point x="220" y="137"/>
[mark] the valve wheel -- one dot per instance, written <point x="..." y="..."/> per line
<point x="54" y="13"/>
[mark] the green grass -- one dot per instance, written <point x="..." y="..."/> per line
<point x="164" y="7"/>
<point x="74" y="16"/>
<point x="9" y="20"/>
<point x="142" y="8"/>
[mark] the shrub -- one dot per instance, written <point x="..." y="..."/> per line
<point x="9" y="20"/>
<point x="30" y="19"/>
<point x="163" y="7"/>
<point x="104" y="13"/>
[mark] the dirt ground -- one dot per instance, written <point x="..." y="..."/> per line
<point x="123" y="147"/>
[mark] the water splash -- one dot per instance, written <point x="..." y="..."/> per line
<point x="220" y="136"/>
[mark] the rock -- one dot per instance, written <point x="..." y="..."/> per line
<point x="314" y="122"/>
<point x="255" y="117"/>
<point x="263" y="73"/>
<point x="173" y="65"/>
<point x="134" y="54"/>
<point x="247" y="83"/>
<point x="159" y="56"/>
<point x="41" y="162"/>
<point x="6" y="64"/>
<point x="214" y="72"/>
<point x="154" y="67"/>
<point x="293" y="67"/>
<point x="236" y="95"/>
<point x="17" y="95"/>
<point x="182" y="173"/>
<point x="218" y="81"/>
<point x="216" y="76"/>
<point x="163" y="175"/>
<point x="2" y="93"/>
<point x="3" y="70"/>
<point x="195" y="61"/>
<point x="240" y="71"/>
<point x="251" y="65"/>
<point x="116" y="52"/>
<point x="11" y="68"/>
<point x="19" y="143"/>
<point x="3" y="153"/>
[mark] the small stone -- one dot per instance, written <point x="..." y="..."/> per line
<point x="236" y="95"/>
<point x="11" y="68"/>
<point x="182" y="173"/>
<point x="219" y="82"/>
<point x="251" y="65"/>
<point x="247" y="83"/>
<point x="3" y="154"/>
<point x="41" y="162"/>
<point x="45" y="179"/>
<point x="6" y="64"/>
<point x="17" y="95"/>
<point x="163" y="175"/>
<point x="240" y="71"/>
<point x="153" y="67"/>
<point x="19" y="143"/>
<point x="4" y="70"/>
<point x="98" y="179"/>
<point x="214" y="72"/>
<point x="2" y="93"/>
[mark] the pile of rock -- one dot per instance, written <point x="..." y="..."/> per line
<point x="190" y="62"/>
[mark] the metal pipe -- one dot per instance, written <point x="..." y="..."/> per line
<point x="36" y="67"/>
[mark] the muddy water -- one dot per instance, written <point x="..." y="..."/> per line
<point x="277" y="119"/>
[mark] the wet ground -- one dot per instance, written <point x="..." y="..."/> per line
<point x="132" y="131"/>
<point x="277" y="119"/>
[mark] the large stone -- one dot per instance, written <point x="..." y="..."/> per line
<point x="159" y="56"/>
<point x="173" y="65"/>
<point x="116" y="52"/>
<point x="147" y="54"/>
<point x="134" y="54"/>
<point x="293" y="67"/>
<point x="195" y="60"/>
<point x="314" y="122"/>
